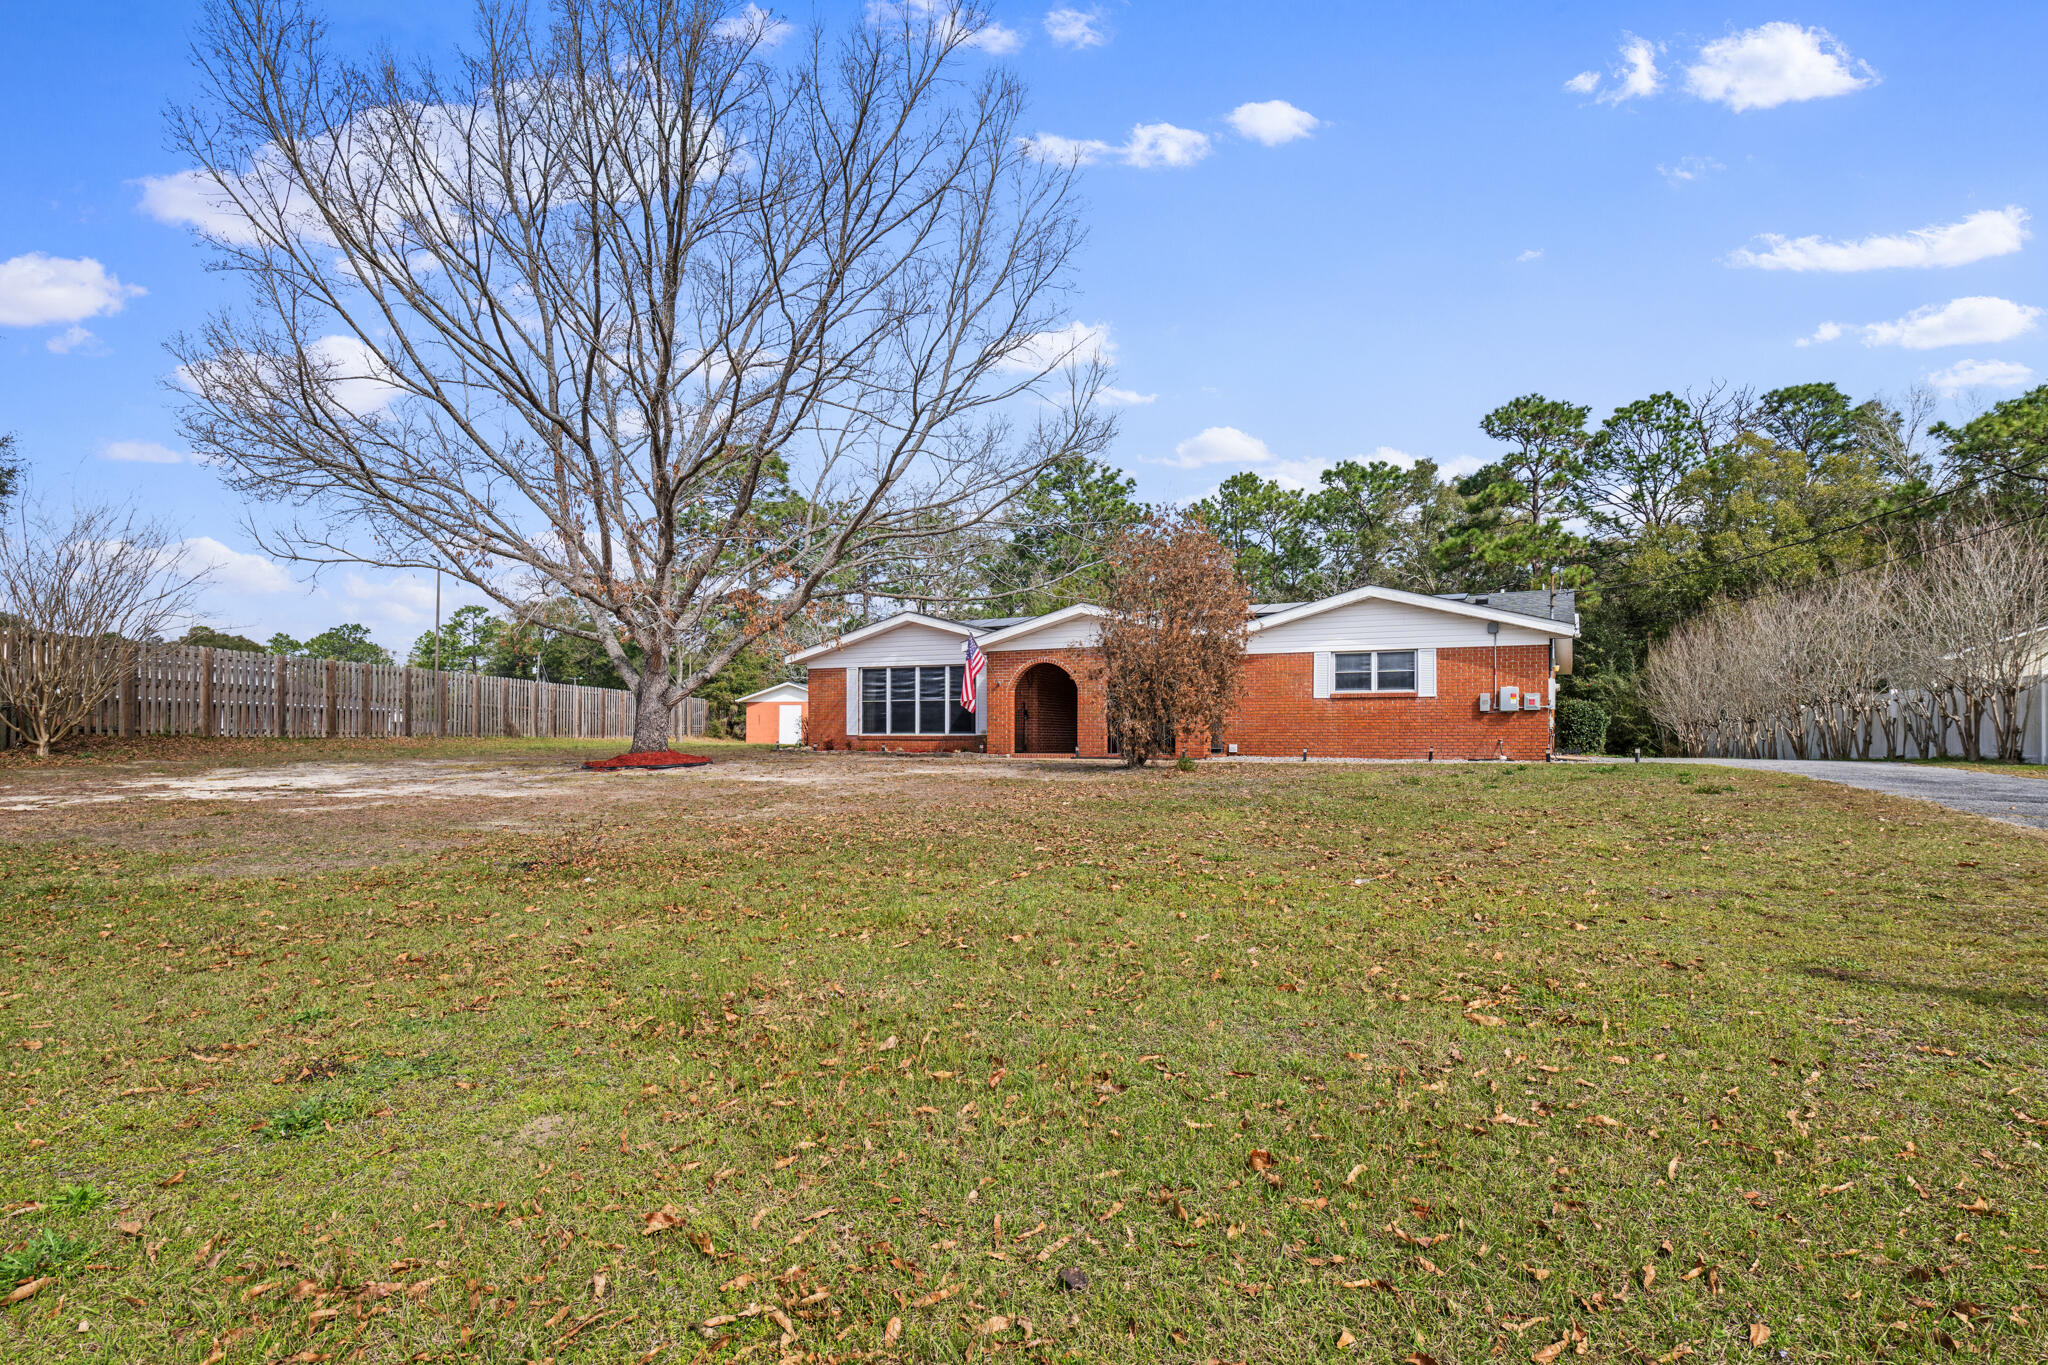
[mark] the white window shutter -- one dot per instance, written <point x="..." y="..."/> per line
<point x="1326" y="673"/>
<point x="852" y="701"/>
<point x="1425" y="672"/>
<point x="981" y="705"/>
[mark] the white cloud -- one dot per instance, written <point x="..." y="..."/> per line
<point x="140" y="452"/>
<point x="1075" y="151"/>
<point x="1162" y="144"/>
<point x="1585" y="83"/>
<point x="1689" y="168"/>
<point x="1773" y="64"/>
<point x="403" y="599"/>
<point x="1075" y="28"/>
<point x="1219" y="445"/>
<point x="1991" y="232"/>
<point x="1150" y="144"/>
<point x="1400" y="459"/>
<point x="1299" y="474"/>
<point x="1273" y="122"/>
<point x="192" y="199"/>
<point x="37" y="289"/>
<point x="1534" y="253"/>
<point x="74" y="338"/>
<point x="1981" y="374"/>
<point x="991" y="37"/>
<point x="1826" y="332"/>
<point x="756" y="25"/>
<point x="360" y="381"/>
<point x="1637" y="76"/>
<point x="234" y="570"/>
<point x="1127" y="398"/>
<point x="1077" y="343"/>
<point x="1978" y="320"/>
<point x="995" y="40"/>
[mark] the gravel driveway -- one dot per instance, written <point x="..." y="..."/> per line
<point x="2015" y="800"/>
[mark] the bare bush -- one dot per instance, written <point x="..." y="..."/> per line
<point x="1173" y="634"/>
<point x="82" y="594"/>
<point x="1933" y="655"/>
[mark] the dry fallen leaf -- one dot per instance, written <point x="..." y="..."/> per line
<point x="1345" y="1341"/>
<point x="1758" y="1334"/>
<point x="1260" y="1159"/>
<point x="663" y="1219"/>
<point x="895" y="1327"/>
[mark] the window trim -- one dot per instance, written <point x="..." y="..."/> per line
<point x="1372" y="672"/>
<point x="957" y="722"/>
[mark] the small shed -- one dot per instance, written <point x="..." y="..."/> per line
<point x="775" y="715"/>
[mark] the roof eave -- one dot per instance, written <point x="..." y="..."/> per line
<point x="1373" y="592"/>
<point x="998" y="637"/>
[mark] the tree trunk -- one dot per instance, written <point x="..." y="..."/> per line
<point x="651" y="719"/>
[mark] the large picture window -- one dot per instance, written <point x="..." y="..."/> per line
<point x="1386" y="670"/>
<point x="919" y="700"/>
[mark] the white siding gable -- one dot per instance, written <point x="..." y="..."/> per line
<point x="913" y="642"/>
<point x="1375" y="624"/>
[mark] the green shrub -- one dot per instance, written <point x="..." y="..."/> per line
<point x="46" y="1250"/>
<point x="1581" y="726"/>
<point x="310" y="1114"/>
<point x="78" y="1198"/>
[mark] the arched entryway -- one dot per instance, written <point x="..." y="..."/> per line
<point x="1048" y="710"/>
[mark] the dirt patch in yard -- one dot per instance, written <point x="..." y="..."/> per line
<point x="280" y="811"/>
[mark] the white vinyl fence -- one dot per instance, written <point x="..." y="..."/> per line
<point x="195" y="690"/>
<point x="1886" y="725"/>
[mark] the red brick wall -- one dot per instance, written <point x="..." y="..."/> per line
<point x="1006" y="666"/>
<point x="1280" y="714"/>
<point x="827" y="717"/>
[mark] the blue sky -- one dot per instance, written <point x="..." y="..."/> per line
<point x="1424" y="211"/>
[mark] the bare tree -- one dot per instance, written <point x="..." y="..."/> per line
<point x="1172" y="637"/>
<point x="82" y="595"/>
<point x="636" y="308"/>
<point x="1978" y="604"/>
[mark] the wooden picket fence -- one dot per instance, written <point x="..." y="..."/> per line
<point x="196" y="690"/>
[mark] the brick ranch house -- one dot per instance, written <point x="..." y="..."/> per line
<point x="1371" y="673"/>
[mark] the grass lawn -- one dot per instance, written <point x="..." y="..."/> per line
<point x="828" y="1058"/>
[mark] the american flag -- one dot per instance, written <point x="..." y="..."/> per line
<point x="970" y="679"/>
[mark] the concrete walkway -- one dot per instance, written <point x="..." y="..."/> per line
<point x="2015" y="800"/>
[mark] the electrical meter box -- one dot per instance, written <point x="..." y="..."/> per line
<point x="1532" y="701"/>
<point x="1486" y="701"/>
<point x="1511" y="699"/>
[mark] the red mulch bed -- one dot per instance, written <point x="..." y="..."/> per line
<point x="667" y="759"/>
